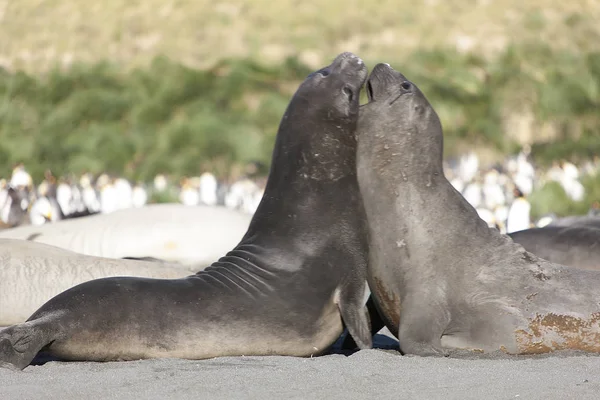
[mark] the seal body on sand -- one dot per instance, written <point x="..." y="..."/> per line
<point x="191" y="235"/>
<point x="440" y="277"/>
<point x="574" y="246"/>
<point x="298" y="272"/>
<point x="32" y="273"/>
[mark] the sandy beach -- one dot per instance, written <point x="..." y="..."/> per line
<point x="381" y="373"/>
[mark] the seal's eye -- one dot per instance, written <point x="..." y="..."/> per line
<point x="348" y="92"/>
<point x="324" y="72"/>
<point x="406" y="85"/>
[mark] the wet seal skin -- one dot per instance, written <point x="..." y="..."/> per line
<point x="443" y="282"/>
<point x="297" y="277"/>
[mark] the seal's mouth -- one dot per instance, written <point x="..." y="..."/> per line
<point x="380" y="77"/>
<point x="387" y="83"/>
<point x="369" y="90"/>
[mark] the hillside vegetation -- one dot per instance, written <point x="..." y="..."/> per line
<point x="36" y="35"/>
<point x="181" y="86"/>
<point x="171" y="118"/>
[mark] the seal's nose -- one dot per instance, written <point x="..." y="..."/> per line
<point x="385" y="69"/>
<point x="352" y="67"/>
<point x="346" y="55"/>
<point x="382" y="68"/>
<point x="383" y="81"/>
<point x="347" y="59"/>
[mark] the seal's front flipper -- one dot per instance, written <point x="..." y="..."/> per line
<point x="356" y="318"/>
<point x="421" y="329"/>
<point x="20" y="343"/>
<point x="375" y="321"/>
<point x="423" y="349"/>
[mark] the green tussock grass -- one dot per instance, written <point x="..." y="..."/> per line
<point x="180" y="120"/>
<point x="180" y="86"/>
<point x="168" y="196"/>
<point x="552" y="198"/>
<point x="165" y="118"/>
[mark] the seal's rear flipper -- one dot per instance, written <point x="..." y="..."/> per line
<point x="20" y="343"/>
<point x="376" y="324"/>
<point x="356" y="318"/>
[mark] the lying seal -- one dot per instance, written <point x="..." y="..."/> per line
<point x="440" y="277"/>
<point x="191" y="235"/>
<point x="574" y="246"/>
<point x="578" y="220"/>
<point x="298" y="272"/>
<point x="32" y="273"/>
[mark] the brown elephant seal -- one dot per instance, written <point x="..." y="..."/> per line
<point x="574" y="246"/>
<point x="297" y="275"/>
<point x="442" y="280"/>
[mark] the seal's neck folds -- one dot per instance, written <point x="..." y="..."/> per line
<point x="312" y="180"/>
<point x="419" y="214"/>
<point x="310" y="149"/>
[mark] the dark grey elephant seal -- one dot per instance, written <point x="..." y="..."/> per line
<point x="578" y="220"/>
<point x="442" y="280"/>
<point x="299" y="271"/>
<point x="574" y="246"/>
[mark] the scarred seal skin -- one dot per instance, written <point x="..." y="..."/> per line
<point x="442" y="279"/>
<point x="296" y="277"/>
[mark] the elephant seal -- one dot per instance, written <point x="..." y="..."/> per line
<point x="190" y="235"/>
<point x="578" y="220"/>
<point x="296" y="277"/>
<point x="443" y="281"/>
<point x="574" y="246"/>
<point x="32" y="273"/>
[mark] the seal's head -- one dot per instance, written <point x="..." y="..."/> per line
<point x="316" y="137"/>
<point x="312" y="184"/>
<point x="332" y="92"/>
<point x="399" y="133"/>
